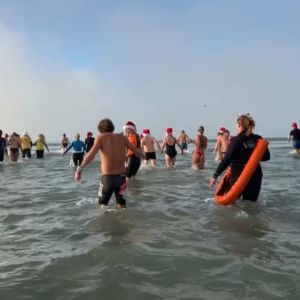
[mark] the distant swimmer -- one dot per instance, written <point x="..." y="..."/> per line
<point x="64" y="143"/>
<point x="133" y="161"/>
<point x="40" y="144"/>
<point x="170" y="143"/>
<point x="295" y="136"/>
<point x="183" y="141"/>
<point x="6" y="136"/>
<point x="223" y="140"/>
<point x="198" y="156"/>
<point x="14" y="143"/>
<point x="89" y="141"/>
<point x="26" y="145"/>
<point x="112" y="148"/>
<point x="2" y="146"/>
<point x="148" y="143"/>
<point x="78" y="150"/>
<point x="238" y="154"/>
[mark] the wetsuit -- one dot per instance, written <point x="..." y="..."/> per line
<point x="171" y="150"/>
<point x="133" y="161"/>
<point x="237" y="155"/>
<point x="89" y="142"/>
<point x="2" y="148"/>
<point x="112" y="184"/>
<point x="78" y="151"/>
<point x="295" y="133"/>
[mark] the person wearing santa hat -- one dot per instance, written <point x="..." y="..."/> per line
<point x="223" y="140"/>
<point x="148" y="144"/>
<point x="170" y="143"/>
<point x="295" y="136"/>
<point x="133" y="161"/>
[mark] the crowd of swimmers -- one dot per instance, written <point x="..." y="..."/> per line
<point x="121" y="153"/>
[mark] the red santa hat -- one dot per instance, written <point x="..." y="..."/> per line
<point x="169" y="130"/>
<point x="222" y="129"/>
<point x="145" y="132"/>
<point x="294" y="125"/>
<point x="129" y="125"/>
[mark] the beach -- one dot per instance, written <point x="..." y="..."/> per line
<point x="172" y="242"/>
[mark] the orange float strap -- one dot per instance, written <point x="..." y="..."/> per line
<point x="235" y="191"/>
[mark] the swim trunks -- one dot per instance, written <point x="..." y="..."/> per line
<point x="112" y="184"/>
<point x="150" y="155"/>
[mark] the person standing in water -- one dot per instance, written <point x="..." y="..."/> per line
<point x="237" y="155"/>
<point x="64" y="144"/>
<point x="78" y="150"/>
<point x="133" y="161"/>
<point x="26" y="145"/>
<point x="223" y="140"/>
<point x="148" y="143"/>
<point x="295" y="136"/>
<point x="112" y="149"/>
<point x="183" y="141"/>
<point x="170" y="143"/>
<point x="14" y="143"/>
<point x="89" y="141"/>
<point x="2" y="146"/>
<point x="198" y="156"/>
<point x="40" y="144"/>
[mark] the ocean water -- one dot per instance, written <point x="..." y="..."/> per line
<point x="172" y="242"/>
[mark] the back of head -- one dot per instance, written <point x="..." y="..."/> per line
<point x="77" y="136"/>
<point x="294" y="125"/>
<point x="246" y="122"/>
<point x="106" y="125"/>
<point x="201" y="129"/>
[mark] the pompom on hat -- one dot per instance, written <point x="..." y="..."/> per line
<point x="129" y="125"/>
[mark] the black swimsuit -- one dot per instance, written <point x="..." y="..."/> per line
<point x="170" y="150"/>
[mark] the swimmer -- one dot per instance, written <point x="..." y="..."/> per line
<point x="26" y="145"/>
<point x="89" y="141"/>
<point x="198" y="156"/>
<point x="14" y="143"/>
<point x="148" y="143"/>
<point x="170" y="143"/>
<point x="223" y="140"/>
<point x="40" y="144"/>
<point x="64" y="143"/>
<point x="112" y="149"/>
<point x="183" y="140"/>
<point x="295" y="136"/>
<point x="78" y="150"/>
<point x="2" y="146"/>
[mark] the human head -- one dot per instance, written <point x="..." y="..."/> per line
<point x="41" y="136"/>
<point x="201" y="129"/>
<point x="222" y="130"/>
<point x="106" y="125"/>
<point x="145" y="132"/>
<point x="129" y="127"/>
<point x="182" y="131"/>
<point x="25" y="133"/>
<point x="294" y="125"/>
<point x="64" y="135"/>
<point x="77" y="136"/>
<point x="245" y="123"/>
<point x="88" y="134"/>
<point x="169" y="130"/>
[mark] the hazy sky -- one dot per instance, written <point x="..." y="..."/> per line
<point x="66" y="64"/>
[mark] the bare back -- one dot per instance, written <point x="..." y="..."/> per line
<point x="148" y="143"/>
<point x="112" y="148"/>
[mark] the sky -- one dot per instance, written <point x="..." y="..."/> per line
<point x="65" y="65"/>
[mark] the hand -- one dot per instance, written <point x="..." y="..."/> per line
<point x="212" y="182"/>
<point x="77" y="175"/>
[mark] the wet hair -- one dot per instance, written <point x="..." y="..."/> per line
<point x="106" y="125"/>
<point x="246" y="122"/>
<point x="201" y="128"/>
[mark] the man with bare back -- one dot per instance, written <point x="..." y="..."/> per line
<point x="148" y="144"/>
<point x="112" y="148"/>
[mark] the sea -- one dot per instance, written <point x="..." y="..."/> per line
<point x="171" y="242"/>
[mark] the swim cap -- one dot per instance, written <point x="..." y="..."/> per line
<point x="169" y="130"/>
<point x="294" y="125"/>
